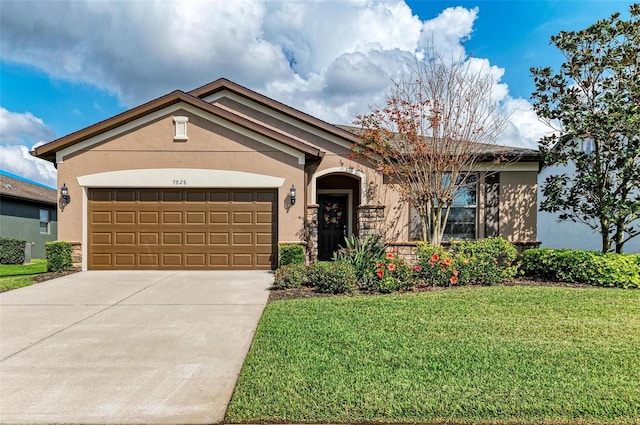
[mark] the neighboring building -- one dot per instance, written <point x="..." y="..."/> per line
<point x="566" y="234"/>
<point x="27" y="212"/>
<point x="203" y="180"/>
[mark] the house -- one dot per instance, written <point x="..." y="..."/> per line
<point x="553" y="233"/>
<point x="217" y="177"/>
<point x="27" y="212"/>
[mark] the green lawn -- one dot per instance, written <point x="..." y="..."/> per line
<point x="14" y="276"/>
<point x="512" y="355"/>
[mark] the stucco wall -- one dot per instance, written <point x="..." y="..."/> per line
<point x="518" y="216"/>
<point x="209" y="146"/>
<point x="21" y="220"/>
<point x="566" y="234"/>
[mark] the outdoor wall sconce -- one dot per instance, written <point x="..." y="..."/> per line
<point x="65" y="199"/>
<point x="292" y="194"/>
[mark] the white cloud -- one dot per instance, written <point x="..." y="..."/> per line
<point x="16" y="128"/>
<point x="16" y="159"/>
<point x="17" y="131"/>
<point x="448" y="30"/>
<point x="331" y="59"/>
<point x="524" y="129"/>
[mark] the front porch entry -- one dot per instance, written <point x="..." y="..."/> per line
<point x="333" y="216"/>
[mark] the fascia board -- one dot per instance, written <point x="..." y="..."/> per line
<point x="278" y="115"/>
<point x="86" y="144"/>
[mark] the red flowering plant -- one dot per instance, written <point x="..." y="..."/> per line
<point x="436" y="266"/>
<point x="392" y="273"/>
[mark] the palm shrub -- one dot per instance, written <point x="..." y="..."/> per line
<point x="362" y="254"/>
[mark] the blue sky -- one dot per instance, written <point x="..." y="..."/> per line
<point x="67" y="65"/>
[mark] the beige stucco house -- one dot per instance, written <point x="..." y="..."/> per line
<point x="204" y="180"/>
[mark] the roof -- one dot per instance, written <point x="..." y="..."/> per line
<point x="18" y="187"/>
<point x="195" y="99"/>
<point x="489" y="151"/>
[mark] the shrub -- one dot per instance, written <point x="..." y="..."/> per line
<point x="392" y="274"/>
<point x="11" y="251"/>
<point x="290" y="254"/>
<point x="290" y="276"/>
<point x="332" y="277"/>
<point x="59" y="256"/>
<point x="436" y="266"/>
<point x="486" y="261"/>
<point x="577" y="266"/>
<point x="362" y="254"/>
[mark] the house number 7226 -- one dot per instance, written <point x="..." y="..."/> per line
<point x="179" y="182"/>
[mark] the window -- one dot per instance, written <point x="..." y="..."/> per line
<point x="45" y="220"/>
<point x="462" y="217"/>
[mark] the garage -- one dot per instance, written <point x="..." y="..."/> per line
<point x="156" y="229"/>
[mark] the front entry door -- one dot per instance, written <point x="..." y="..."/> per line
<point x="332" y="224"/>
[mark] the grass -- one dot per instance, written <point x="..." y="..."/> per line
<point x="13" y="276"/>
<point x="506" y="355"/>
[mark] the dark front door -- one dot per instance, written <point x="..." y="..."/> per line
<point x="332" y="224"/>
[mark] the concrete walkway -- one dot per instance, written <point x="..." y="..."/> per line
<point x="142" y="347"/>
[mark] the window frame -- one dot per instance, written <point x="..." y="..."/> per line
<point x="46" y="222"/>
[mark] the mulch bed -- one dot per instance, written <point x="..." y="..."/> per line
<point x="43" y="277"/>
<point x="285" y="294"/>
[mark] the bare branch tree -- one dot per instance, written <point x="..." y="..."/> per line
<point x="436" y="125"/>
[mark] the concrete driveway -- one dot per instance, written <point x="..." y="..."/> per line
<point x="141" y="347"/>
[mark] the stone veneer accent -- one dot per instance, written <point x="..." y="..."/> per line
<point x="311" y="232"/>
<point x="76" y="254"/>
<point x="408" y="250"/>
<point x="370" y="220"/>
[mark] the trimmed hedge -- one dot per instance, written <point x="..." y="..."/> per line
<point x="290" y="254"/>
<point x="577" y="266"/>
<point x="332" y="277"/>
<point x="482" y="262"/>
<point x="11" y="251"/>
<point x="59" y="256"/>
<point x="290" y="276"/>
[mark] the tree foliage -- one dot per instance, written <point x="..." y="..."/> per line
<point x="436" y="124"/>
<point x="593" y="102"/>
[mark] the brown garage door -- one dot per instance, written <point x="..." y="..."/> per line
<point x="181" y="229"/>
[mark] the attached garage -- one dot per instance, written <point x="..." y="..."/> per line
<point x="199" y="228"/>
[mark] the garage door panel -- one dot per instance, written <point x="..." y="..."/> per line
<point x="125" y="217"/>
<point x="219" y="217"/>
<point x="128" y="238"/>
<point x="172" y="238"/>
<point x="196" y="239"/>
<point x="220" y="239"/>
<point x="124" y="195"/>
<point x="149" y="260"/>
<point x="242" y="239"/>
<point x="100" y="217"/>
<point x="172" y="217"/>
<point x="146" y="238"/>
<point x="127" y="259"/>
<point x="181" y="228"/>
<point x="97" y="238"/>
<point x="196" y="217"/>
<point x="148" y="217"/>
<point x="172" y="260"/>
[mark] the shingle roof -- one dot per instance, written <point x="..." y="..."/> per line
<point x="23" y="189"/>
